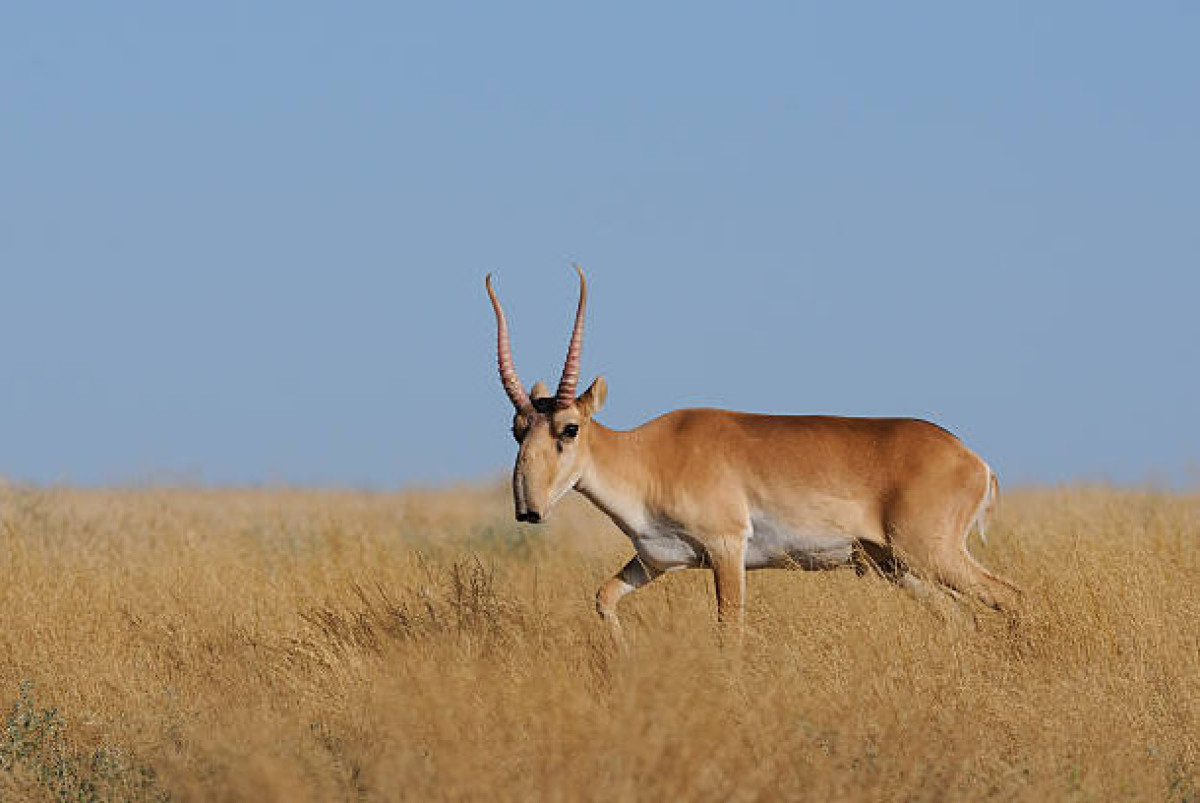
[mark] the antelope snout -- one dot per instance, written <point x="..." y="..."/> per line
<point x="530" y="517"/>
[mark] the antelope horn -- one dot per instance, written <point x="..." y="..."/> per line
<point x="508" y="373"/>
<point x="570" y="374"/>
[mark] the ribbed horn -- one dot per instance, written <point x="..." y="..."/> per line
<point x="570" y="374"/>
<point x="508" y="373"/>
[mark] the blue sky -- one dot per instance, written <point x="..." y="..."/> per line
<point x="245" y="243"/>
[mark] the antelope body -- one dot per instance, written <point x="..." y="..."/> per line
<point x="737" y="491"/>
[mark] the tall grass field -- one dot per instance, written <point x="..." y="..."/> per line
<point x="279" y="645"/>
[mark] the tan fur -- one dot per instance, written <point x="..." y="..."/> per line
<point x="905" y="488"/>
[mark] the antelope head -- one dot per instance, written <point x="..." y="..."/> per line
<point x="552" y="431"/>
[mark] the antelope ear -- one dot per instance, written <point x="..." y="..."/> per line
<point x="593" y="398"/>
<point x="539" y="391"/>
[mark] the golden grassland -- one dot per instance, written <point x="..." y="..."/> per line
<point x="305" y="645"/>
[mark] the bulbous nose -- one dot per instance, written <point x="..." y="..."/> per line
<point x="530" y="517"/>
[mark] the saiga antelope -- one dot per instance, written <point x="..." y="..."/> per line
<point x="737" y="491"/>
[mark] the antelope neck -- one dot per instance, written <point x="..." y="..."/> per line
<point x="613" y="474"/>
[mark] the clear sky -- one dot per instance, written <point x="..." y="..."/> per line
<point x="246" y="242"/>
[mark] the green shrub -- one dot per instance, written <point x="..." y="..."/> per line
<point x="33" y="743"/>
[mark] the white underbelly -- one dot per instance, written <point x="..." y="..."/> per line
<point x="668" y="549"/>
<point x="774" y="544"/>
<point x="769" y="544"/>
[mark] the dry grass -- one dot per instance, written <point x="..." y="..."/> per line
<point x="280" y="645"/>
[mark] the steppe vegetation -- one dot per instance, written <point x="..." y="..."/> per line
<point x="267" y="645"/>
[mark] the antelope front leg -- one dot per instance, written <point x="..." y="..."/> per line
<point x="728" y="558"/>
<point x="633" y="576"/>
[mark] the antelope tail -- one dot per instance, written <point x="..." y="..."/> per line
<point x="986" y="504"/>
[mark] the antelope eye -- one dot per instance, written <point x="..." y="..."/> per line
<point x="570" y="431"/>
